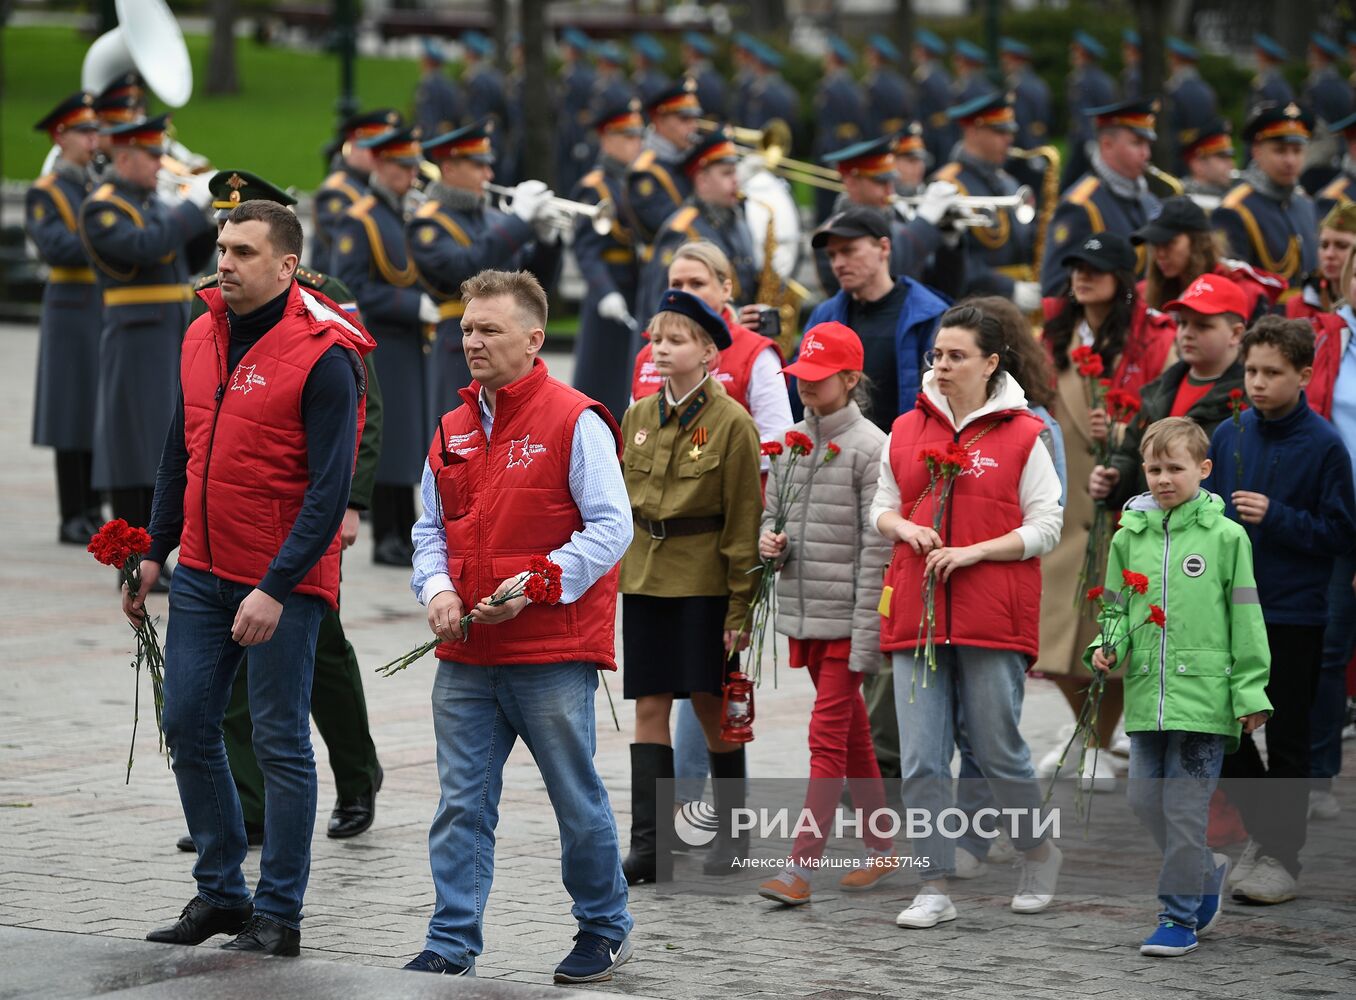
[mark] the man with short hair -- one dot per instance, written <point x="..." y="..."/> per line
<point x="1113" y="196"/>
<point x="347" y="183"/>
<point x="523" y="451"/>
<point x="1267" y="218"/>
<point x="251" y="489"/>
<point x="656" y="185"/>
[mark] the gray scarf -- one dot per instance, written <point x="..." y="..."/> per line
<point x="665" y="150"/>
<point x="456" y="199"/>
<point x="991" y="172"/>
<point x="65" y="168"/>
<point x="1265" y="186"/>
<point x="1119" y="185"/>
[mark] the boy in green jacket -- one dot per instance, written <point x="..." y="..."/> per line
<point x="1194" y="685"/>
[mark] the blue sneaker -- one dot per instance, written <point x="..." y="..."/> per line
<point x="1208" y="913"/>
<point x="431" y="961"/>
<point x="1169" y="941"/>
<point x="593" y="959"/>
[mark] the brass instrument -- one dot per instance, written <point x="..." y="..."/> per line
<point x="980" y="211"/>
<point x="1049" y="196"/>
<point x="1166" y="181"/>
<point x="785" y="296"/>
<point x="563" y="211"/>
<point x="770" y="144"/>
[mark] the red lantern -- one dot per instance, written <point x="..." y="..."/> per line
<point x="737" y="709"/>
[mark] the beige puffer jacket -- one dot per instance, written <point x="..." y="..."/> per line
<point x="830" y="581"/>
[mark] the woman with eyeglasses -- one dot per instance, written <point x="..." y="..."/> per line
<point x="1002" y="515"/>
<point x="1099" y="309"/>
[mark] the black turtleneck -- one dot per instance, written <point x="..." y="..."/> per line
<point x="329" y="411"/>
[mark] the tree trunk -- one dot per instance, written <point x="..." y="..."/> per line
<point x="1151" y="17"/>
<point x="537" y="143"/>
<point x="221" y="75"/>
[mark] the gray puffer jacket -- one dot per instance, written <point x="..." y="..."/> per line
<point x="834" y="563"/>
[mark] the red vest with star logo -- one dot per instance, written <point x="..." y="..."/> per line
<point x="733" y="369"/>
<point x="247" y="463"/>
<point x="507" y="499"/>
<point x="996" y="605"/>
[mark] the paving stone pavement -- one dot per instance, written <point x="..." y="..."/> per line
<point x="80" y="851"/>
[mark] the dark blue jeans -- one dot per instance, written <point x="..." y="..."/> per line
<point x="1330" y="700"/>
<point x="200" y="664"/>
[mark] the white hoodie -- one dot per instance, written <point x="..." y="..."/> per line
<point x="1038" y="491"/>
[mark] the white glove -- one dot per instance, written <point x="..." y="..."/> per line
<point x="1026" y="295"/>
<point x="529" y="198"/>
<point x="939" y="197"/>
<point x="613" y="306"/>
<point x="551" y="225"/>
<point x="428" y="309"/>
<point x="197" y="191"/>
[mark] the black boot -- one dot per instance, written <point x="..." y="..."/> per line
<point x="650" y="763"/>
<point x="728" y="783"/>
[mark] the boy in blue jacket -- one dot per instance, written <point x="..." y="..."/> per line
<point x="1285" y="475"/>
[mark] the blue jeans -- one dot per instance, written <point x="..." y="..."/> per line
<point x="690" y="759"/>
<point x="1328" y="711"/>
<point x="200" y="666"/>
<point x="478" y="714"/>
<point x="972" y="794"/>
<point x="986" y="688"/>
<point x="1172" y="776"/>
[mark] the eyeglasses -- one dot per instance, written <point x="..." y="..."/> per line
<point x="954" y="358"/>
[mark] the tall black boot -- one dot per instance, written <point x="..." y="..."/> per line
<point x="729" y="775"/>
<point x="73" y="498"/>
<point x="651" y="763"/>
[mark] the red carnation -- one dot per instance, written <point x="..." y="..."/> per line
<point x="1092" y="367"/>
<point x="800" y="444"/>
<point x="954" y="459"/>
<point x="1137" y="582"/>
<point x="831" y="451"/>
<point x="1235" y="394"/>
<point x="1156" y="616"/>
<point x="1095" y="593"/>
<point x="1121" y="405"/>
<point x="772" y="448"/>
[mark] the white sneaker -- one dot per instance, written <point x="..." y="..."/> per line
<point x="1037" y="881"/>
<point x="1245" y="864"/>
<point x="1268" y="882"/>
<point x="967" y="865"/>
<point x="1001" y="851"/>
<point x="1323" y="805"/>
<point x="1099" y="774"/>
<point x="928" y="909"/>
<point x="1120" y="742"/>
<point x="1048" y="765"/>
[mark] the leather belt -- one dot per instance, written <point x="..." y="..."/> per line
<point x="451" y="310"/>
<point x="677" y="527"/>
<point x="71" y="276"/>
<point x="618" y="255"/>
<point x="138" y="295"/>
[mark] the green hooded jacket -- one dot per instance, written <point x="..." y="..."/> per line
<point x="1210" y="664"/>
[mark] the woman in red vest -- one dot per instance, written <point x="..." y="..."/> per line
<point x="982" y="552"/>
<point x="1101" y="310"/>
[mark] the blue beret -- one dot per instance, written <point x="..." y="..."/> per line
<point x="1183" y="49"/>
<point x="1269" y="46"/>
<point x="609" y="52"/>
<point x="842" y="49"/>
<point x="1091" y="45"/>
<point x="699" y="42"/>
<point x="1342" y="124"/>
<point x="687" y="304"/>
<point x="648" y="46"/>
<point x="1351" y="37"/>
<point x="1013" y="47"/>
<point x="929" y="41"/>
<point x="576" y="39"/>
<point x="478" y="43"/>
<point x="884" y="48"/>
<point x="766" y="54"/>
<point x="967" y="49"/>
<point x="1326" y="45"/>
<point x="1131" y="37"/>
<point x="434" y="50"/>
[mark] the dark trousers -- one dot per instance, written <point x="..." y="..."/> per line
<point x="133" y="504"/>
<point x="1276" y="812"/>
<point x="75" y="496"/>
<point x="392" y="512"/>
<point x="340" y="712"/>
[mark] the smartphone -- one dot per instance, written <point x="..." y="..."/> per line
<point x="769" y="323"/>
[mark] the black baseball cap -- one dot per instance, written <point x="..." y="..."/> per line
<point x="1105" y="252"/>
<point x="850" y="224"/>
<point x="1179" y="214"/>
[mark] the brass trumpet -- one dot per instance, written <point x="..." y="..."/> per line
<point x="602" y="216"/>
<point x="770" y="144"/>
<point x="978" y="211"/>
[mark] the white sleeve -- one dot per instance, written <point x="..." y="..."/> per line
<point x="430" y="544"/>
<point x="887" y="490"/>
<point x="1038" y="492"/>
<point x="769" y="403"/>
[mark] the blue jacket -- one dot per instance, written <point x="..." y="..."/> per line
<point x="1301" y="465"/>
<point x="917" y="326"/>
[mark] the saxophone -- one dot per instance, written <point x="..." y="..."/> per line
<point x="1049" y="196"/>
<point x="783" y="295"/>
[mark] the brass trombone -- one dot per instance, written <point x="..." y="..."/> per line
<point x="770" y="144"/>
<point x="601" y="216"/>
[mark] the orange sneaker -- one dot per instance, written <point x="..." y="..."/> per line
<point x="875" y="869"/>
<point x="788" y="888"/>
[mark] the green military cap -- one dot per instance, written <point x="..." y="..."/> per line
<point x="230" y="187"/>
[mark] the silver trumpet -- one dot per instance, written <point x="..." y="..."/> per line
<point x="980" y="211"/>
<point x="562" y="211"/>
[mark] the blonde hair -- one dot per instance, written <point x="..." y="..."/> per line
<point x="709" y="255"/>
<point x="669" y="323"/>
<point x="1171" y="432"/>
<point x="521" y="286"/>
<point x="1344" y="293"/>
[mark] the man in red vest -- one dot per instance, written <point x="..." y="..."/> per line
<point x="526" y="466"/>
<point x="251" y="489"/>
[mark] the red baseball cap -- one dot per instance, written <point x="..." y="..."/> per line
<point x="1211" y="295"/>
<point x="827" y="349"/>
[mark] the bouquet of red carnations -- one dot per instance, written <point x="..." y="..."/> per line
<point x="944" y="465"/>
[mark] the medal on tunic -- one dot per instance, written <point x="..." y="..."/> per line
<point x="699" y="437"/>
<point x="641" y="435"/>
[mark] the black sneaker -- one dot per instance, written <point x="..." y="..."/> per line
<point x="593" y="959"/>
<point x="431" y="961"/>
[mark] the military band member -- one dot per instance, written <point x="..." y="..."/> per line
<point x="647" y="61"/>
<point x="771" y="97"/>
<point x="656" y="185"/>
<point x="572" y="117"/>
<point x="1113" y="194"/>
<point x="741" y="84"/>
<point x="486" y="92"/>
<point x="610" y="85"/>
<point x="1270" y="84"/>
<point x="438" y="105"/>
<point x="911" y="160"/>
<point x="840" y="112"/>
<point x="371" y="258"/>
<point x="1089" y="87"/>
<point x="457" y="233"/>
<point x="72" y="317"/>
<point x="1328" y="97"/>
<point x="999" y="257"/>
<point x="971" y="64"/>
<point x="510" y="172"/>
<point x="343" y="188"/>
<point x="889" y="104"/>
<point x="1342" y="188"/>
<point x="1267" y="218"/>
<point x="932" y="84"/>
<point x="609" y="334"/>
<point x="1132" y="57"/>
<point x="1030" y="95"/>
<point x="1210" y="164"/>
<point x="123" y="100"/>
<point x="697" y="51"/>
<point x="1191" y="101"/>
<point x="713" y="212"/>
<point x="140" y="247"/>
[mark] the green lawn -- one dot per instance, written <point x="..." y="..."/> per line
<point x="275" y="127"/>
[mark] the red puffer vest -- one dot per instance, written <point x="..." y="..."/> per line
<point x="508" y="499"/>
<point x="1328" y="329"/>
<point x="247" y="464"/>
<point x="732" y="369"/>
<point x="991" y="604"/>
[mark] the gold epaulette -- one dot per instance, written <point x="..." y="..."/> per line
<point x="427" y="210"/>
<point x="683" y="218"/>
<point x="103" y="191"/>
<point x="362" y="206"/>
<point x="45" y="181"/>
<point x="47" y="185"/>
<point x="1083" y="190"/>
<point x="592" y="177"/>
<point x="1235" y="197"/>
<point x="643" y="162"/>
<point x="208" y="281"/>
<point x="949" y="172"/>
<point x="1337" y="190"/>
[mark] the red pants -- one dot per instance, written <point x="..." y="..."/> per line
<point x="840" y="748"/>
